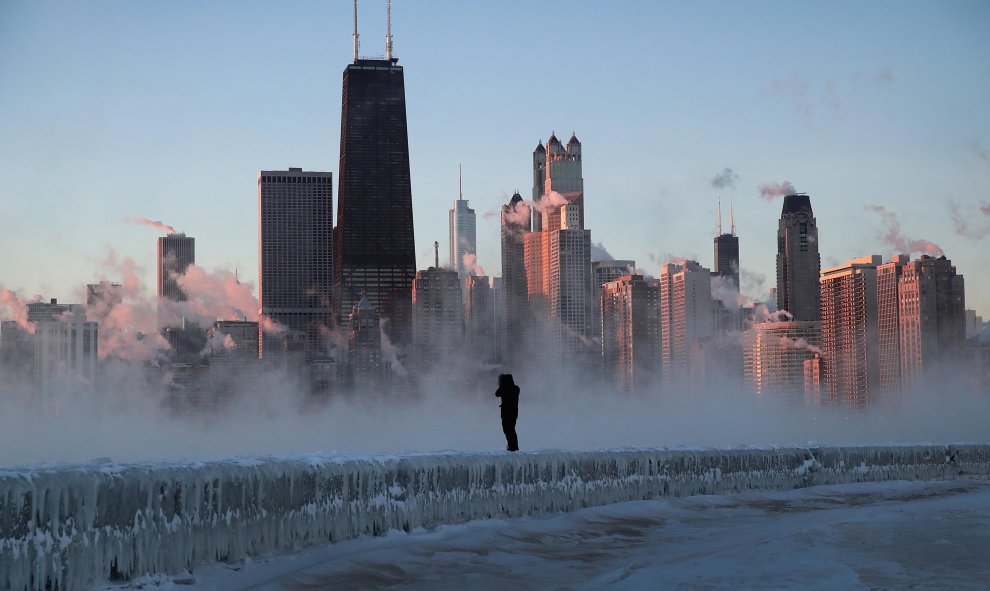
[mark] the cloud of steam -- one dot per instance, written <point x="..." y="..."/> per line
<point x="13" y="307"/>
<point x="799" y="343"/>
<point x="980" y="151"/>
<point x="600" y="253"/>
<point x="470" y="261"/>
<point x="895" y="239"/>
<point x="725" y="179"/>
<point x="970" y="226"/>
<point x="216" y="295"/>
<point x="724" y="290"/>
<point x="771" y="191"/>
<point x="156" y="224"/>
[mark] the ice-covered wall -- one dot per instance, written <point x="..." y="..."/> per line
<point x="72" y="527"/>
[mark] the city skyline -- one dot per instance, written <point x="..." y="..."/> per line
<point x="853" y="129"/>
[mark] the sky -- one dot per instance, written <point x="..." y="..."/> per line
<point x="114" y="110"/>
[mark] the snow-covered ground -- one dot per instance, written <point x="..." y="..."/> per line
<point x="892" y="535"/>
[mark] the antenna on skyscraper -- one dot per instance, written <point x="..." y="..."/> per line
<point x="460" y="193"/>
<point x="732" y="221"/>
<point x="436" y="254"/>
<point x="355" y="33"/>
<point x="388" y="30"/>
<point x="718" y="218"/>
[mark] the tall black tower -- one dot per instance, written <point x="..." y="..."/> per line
<point x="798" y="260"/>
<point x="726" y="249"/>
<point x="374" y="248"/>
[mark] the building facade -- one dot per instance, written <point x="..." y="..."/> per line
<point x="774" y="357"/>
<point x="515" y="224"/>
<point x="295" y="256"/>
<point x="438" y="316"/>
<point x="850" y="332"/>
<point x="630" y="332"/>
<point x="479" y="318"/>
<point x="175" y="253"/>
<point x="66" y="350"/>
<point x="374" y="245"/>
<point x="365" y="366"/>
<point x="931" y="308"/>
<point x="463" y="237"/>
<point x="798" y="260"/>
<point x="685" y="318"/>
<point x="889" y="328"/>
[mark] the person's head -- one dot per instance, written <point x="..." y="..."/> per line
<point x="505" y="380"/>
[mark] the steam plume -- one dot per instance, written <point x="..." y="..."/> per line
<point x="470" y="261"/>
<point x="774" y="190"/>
<point x="600" y="253"/>
<point x="725" y="179"/>
<point x="13" y="307"/>
<point x="156" y="224"/>
<point x="894" y="238"/>
<point x="970" y="226"/>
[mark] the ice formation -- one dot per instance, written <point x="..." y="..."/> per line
<point x="74" y="527"/>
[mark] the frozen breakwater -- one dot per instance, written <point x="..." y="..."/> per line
<point x="74" y="527"/>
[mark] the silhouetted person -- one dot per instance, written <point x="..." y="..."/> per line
<point x="508" y="391"/>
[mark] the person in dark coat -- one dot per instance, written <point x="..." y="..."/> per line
<point x="508" y="391"/>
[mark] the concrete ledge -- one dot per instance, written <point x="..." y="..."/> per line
<point x="73" y="527"/>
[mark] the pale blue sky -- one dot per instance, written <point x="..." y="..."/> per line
<point x="167" y="110"/>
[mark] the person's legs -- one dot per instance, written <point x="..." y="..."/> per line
<point x="509" y="428"/>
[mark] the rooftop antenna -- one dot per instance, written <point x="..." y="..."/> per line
<point x="388" y="30"/>
<point x="355" y="33"/>
<point x="732" y="221"/>
<point x="436" y="254"/>
<point x="460" y="193"/>
<point x="718" y="218"/>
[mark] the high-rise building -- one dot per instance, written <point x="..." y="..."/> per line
<point x="889" y="327"/>
<point x="498" y="311"/>
<point x="631" y="332"/>
<point x="850" y="332"/>
<point x="774" y="359"/>
<point x="932" y="306"/>
<point x="567" y="272"/>
<point x="727" y="250"/>
<point x="463" y="235"/>
<point x="295" y="254"/>
<point x="364" y="347"/>
<point x="234" y="338"/>
<point x="479" y="318"/>
<point x="557" y="168"/>
<point x="438" y="315"/>
<point x="798" y="260"/>
<point x="515" y="224"/>
<point x="65" y="353"/>
<point x="601" y="273"/>
<point x="175" y="253"/>
<point x="374" y="246"/>
<point x="47" y="311"/>
<point x="685" y="317"/>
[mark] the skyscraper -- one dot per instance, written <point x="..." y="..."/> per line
<point x="463" y="238"/>
<point x="798" y="260"/>
<point x="630" y="332"/>
<point x="479" y="318"/>
<point x="515" y="224"/>
<point x="438" y="315"/>
<point x="567" y="275"/>
<point x="850" y="332"/>
<point x="774" y="358"/>
<point x="175" y="253"/>
<point x="889" y="327"/>
<point x="932" y="304"/>
<point x="727" y="250"/>
<point x="601" y="273"/>
<point x="374" y="246"/>
<point x="364" y="347"/>
<point x="685" y="316"/>
<point x="295" y="229"/>
<point x="557" y="168"/>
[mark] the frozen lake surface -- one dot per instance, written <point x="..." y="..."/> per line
<point x="893" y="535"/>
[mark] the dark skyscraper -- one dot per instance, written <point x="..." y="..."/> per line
<point x="515" y="224"/>
<point x="295" y="228"/>
<point x="798" y="260"/>
<point x="175" y="253"/>
<point x="374" y="247"/>
<point x="727" y="250"/>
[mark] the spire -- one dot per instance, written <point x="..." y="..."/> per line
<point x="460" y="193"/>
<point x="388" y="30"/>
<point x="718" y="218"/>
<point x="436" y="254"/>
<point x="355" y="33"/>
<point x="732" y="221"/>
<point x="573" y="139"/>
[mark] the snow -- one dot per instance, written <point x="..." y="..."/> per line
<point x="894" y="535"/>
<point x="75" y="526"/>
